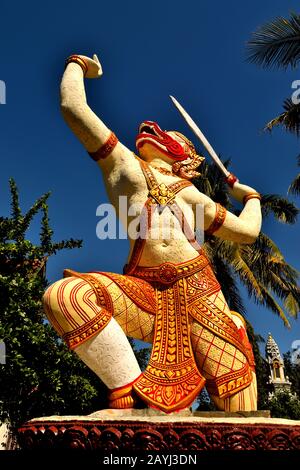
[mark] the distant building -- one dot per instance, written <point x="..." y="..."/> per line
<point x="278" y="381"/>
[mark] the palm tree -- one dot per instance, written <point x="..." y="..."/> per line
<point x="261" y="267"/>
<point x="277" y="44"/>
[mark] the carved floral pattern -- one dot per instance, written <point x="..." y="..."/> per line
<point x="144" y="436"/>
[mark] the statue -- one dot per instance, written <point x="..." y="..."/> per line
<point x="168" y="294"/>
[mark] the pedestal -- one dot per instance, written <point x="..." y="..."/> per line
<point x="148" y="430"/>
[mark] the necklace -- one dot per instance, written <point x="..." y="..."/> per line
<point x="164" y="171"/>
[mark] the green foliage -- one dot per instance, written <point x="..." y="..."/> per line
<point x="289" y="119"/>
<point x="261" y="368"/>
<point x="142" y="354"/>
<point x="284" y="405"/>
<point x="41" y="376"/>
<point x="295" y="185"/>
<point x="204" y="402"/>
<point x="292" y="370"/>
<point x="276" y="43"/>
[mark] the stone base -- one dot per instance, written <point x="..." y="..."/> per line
<point x="151" y="430"/>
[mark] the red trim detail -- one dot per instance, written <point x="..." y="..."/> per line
<point x="105" y="149"/>
<point x="231" y="179"/>
<point x="218" y="220"/>
<point x="174" y="150"/>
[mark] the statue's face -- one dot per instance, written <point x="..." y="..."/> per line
<point x="153" y="142"/>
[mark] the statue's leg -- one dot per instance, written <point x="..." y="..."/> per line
<point x="245" y="400"/>
<point x="72" y="307"/>
<point x="215" y="357"/>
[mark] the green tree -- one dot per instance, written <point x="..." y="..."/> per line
<point x="261" y="368"/>
<point x="204" y="402"/>
<point x="277" y="44"/>
<point x="292" y="370"/>
<point x="41" y="376"/>
<point x="284" y="405"/>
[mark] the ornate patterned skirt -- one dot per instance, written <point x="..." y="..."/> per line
<point x="197" y="340"/>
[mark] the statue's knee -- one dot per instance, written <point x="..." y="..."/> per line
<point x="55" y="299"/>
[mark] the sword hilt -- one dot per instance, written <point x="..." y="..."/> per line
<point x="231" y="179"/>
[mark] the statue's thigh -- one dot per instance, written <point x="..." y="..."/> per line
<point x="214" y="356"/>
<point x="134" y="321"/>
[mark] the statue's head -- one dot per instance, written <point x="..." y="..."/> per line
<point x="171" y="146"/>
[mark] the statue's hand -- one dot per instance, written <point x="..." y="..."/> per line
<point x="94" y="66"/>
<point x="239" y="191"/>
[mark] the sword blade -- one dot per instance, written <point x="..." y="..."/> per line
<point x="200" y="136"/>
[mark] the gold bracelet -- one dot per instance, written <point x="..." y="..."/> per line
<point x="78" y="60"/>
<point x="251" y="196"/>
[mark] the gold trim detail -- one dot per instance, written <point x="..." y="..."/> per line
<point x="231" y="383"/>
<point x="171" y="380"/>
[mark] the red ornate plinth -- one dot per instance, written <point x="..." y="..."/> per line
<point x="167" y="433"/>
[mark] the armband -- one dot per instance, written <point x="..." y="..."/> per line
<point x="251" y="196"/>
<point x="78" y="60"/>
<point x="105" y="149"/>
<point x="218" y="220"/>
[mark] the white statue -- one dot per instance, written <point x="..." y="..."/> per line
<point x="168" y="294"/>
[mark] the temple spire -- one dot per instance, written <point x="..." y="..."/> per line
<point x="277" y="379"/>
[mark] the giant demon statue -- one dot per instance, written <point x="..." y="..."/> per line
<point x="168" y="294"/>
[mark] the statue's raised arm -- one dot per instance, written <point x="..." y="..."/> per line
<point x="99" y="141"/>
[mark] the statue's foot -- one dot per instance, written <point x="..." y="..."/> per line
<point x="124" y="398"/>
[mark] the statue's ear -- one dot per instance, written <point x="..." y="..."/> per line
<point x="186" y="168"/>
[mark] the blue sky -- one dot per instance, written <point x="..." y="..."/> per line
<point x="194" y="50"/>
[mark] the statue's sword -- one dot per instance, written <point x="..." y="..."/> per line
<point x="230" y="178"/>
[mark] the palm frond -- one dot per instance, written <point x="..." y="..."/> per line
<point x="294" y="187"/>
<point x="263" y="244"/>
<point x="247" y="276"/>
<point x="212" y="183"/>
<point x="292" y="306"/>
<point x="283" y="209"/>
<point x="290" y="118"/>
<point x="276" y="44"/>
<point x="230" y="289"/>
<point x="271" y="303"/>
